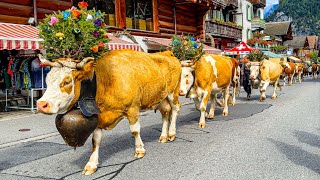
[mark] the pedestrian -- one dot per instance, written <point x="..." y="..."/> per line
<point x="245" y="74"/>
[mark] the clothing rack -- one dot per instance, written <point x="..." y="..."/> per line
<point x="30" y="96"/>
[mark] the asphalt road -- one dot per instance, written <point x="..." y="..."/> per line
<point x="275" y="139"/>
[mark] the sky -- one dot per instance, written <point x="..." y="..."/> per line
<point x="272" y="2"/>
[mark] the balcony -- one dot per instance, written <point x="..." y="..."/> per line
<point x="222" y="29"/>
<point x="233" y="3"/>
<point x="258" y="24"/>
<point x="258" y="3"/>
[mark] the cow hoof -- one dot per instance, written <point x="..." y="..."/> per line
<point x="88" y="170"/>
<point x="172" y="137"/>
<point x="139" y="153"/>
<point x="274" y="97"/>
<point x="262" y="99"/>
<point x="209" y="116"/>
<point x="225" y="113"/>
<point x="201" y="125"/>
<point x="163" y="139"/>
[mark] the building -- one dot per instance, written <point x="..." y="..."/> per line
<point x="278" y="32"/>
<point x="297" y="46"/>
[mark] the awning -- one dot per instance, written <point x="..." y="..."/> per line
<point x="271" y="54"/>
<point x="294" y="59"/>
<point x="241" y="48"/>
<point x="17" y="36"/>
<point x="166" y="43"/>
<point x="117" y="43"/>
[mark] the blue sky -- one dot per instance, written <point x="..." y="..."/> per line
<point x="272" y="2"/>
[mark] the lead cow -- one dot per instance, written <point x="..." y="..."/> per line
<point x="127" y="81"/>
<point x="203" y="80"/>
<point x="267" y="72"/>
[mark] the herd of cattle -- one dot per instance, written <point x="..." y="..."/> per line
<point x="130" y="81"/>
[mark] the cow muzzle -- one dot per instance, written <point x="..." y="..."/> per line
<point x="181" y="93"/>
<point x="43" y="107"/>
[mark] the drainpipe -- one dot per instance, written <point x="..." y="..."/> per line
<point x="175" y="18"/>
<point x="35" y="12"/>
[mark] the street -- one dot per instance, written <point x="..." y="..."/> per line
<point x="274" y="139"/>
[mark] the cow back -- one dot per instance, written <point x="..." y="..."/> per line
<point x="270" y="70"/>
<point x="127" y="77"/>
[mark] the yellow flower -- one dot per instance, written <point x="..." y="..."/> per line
<point x="185" y="43"/>
<point x="60" y="35"/>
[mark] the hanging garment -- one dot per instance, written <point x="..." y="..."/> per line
<point x="6" y="78"/>
<point x="36" y="71"/>
<point x="10" y="71"/>
<point x="26" y="75"/>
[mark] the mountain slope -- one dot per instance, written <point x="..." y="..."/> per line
<point x="270" y="9"/>
<point x="305" y="15"/>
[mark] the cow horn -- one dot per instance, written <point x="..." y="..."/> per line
<point x="186" y="63"/>
<point x="47" y="62"/>
<point x="84" y="62"/>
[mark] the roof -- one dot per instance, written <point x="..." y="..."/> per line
<point x="17" y="36"/>
<point x="277" y="28"/>
<point x="296" y="42"/>
<point x="312" y="41"/>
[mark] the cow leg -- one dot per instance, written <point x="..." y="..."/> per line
<point x="203" y="107"/>
<point x="91" y="166"/>
<point x="213" y="98"/>
<point x="218" y="101"/>
<point x="134" y="121"/>
<point x="165" y="110"/>
<point x="291" y="79"/>
<point x="274" y="95"/>
<point x="226" y="97"/>
<point x="175" y="106"/>
<point x="263" y="90"/>
<point x="284" y="80"/>
<point x="233" y="102"/>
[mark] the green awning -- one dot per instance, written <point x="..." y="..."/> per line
<point x="271" y="54"/>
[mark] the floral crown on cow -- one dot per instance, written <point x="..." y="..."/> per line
<point x="74" y="33"/>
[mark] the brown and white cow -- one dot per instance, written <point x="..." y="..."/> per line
<point x="289" y="70"/>
<point x="267" y="72"/>
<point x="127" y="81"/>
<point x="203" y="80"/>
<point x="315" y="69"/>
<point x="299" y="71"/>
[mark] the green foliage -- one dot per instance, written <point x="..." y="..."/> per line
<point x="305" y="15"/>
<point x="186" y="48"/>
<point x="314" y="57"/>
<point x="256" y="56"/>
<point x="74" y="33"/>
<point x="278" y="48"/>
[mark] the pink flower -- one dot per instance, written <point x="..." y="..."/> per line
<point x="73" y="8"/>
<point x="53" y="20"/>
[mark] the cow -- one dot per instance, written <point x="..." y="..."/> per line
<point x="267" y="72"/>
<point x="128" y="81"/>
<point x="203" y="79"/>
<point x="299" y="71"/>
<point x="314" y="69"/>
<point x="289" y="70"/>
<point x="305" y="72"/>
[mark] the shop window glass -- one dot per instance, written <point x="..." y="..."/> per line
<point x="139" y="14"/>
<point x="105" y="6"/>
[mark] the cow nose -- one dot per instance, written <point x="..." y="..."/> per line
<point x="251" y="77"/>
<point x="181" y="93"/>
<point x="43" y="106"/>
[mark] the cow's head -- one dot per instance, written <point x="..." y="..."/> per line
<point x="187" y="77"/>
<point x="63" y="84"/>
<point x="254" y="70"/>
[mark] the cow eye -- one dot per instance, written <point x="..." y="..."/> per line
<point x="187" y="75"/>
<point x="66" y="83"/>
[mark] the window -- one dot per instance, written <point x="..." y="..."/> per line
<point x="139" y="14"/>
<point x="105" y="6"/>
<point x="248" y="12"/>
<point x="259" y="14"/>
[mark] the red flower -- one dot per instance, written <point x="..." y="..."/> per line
<point x="76" y="13"/>
<point x="83" y="5"/>
<point x="103" y="24"/>
<point x="95" y="49"/>
<point x="106" y="36"/>
<point x="101" y="44"/>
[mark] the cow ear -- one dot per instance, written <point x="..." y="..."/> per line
<point x="86" y="72"/>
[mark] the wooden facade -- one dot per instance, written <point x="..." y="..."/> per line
<point x="19" y="11"/>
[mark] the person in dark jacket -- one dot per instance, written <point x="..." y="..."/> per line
<point x="245" y="73"/>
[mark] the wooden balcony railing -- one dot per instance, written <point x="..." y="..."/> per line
<point x="223" y="30"/>
<point x="258" y="3"/>
<point x="258" y="23"/>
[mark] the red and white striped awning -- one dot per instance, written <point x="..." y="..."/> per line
<point x="19" y="37"/>
<point x="117" y="43"/>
